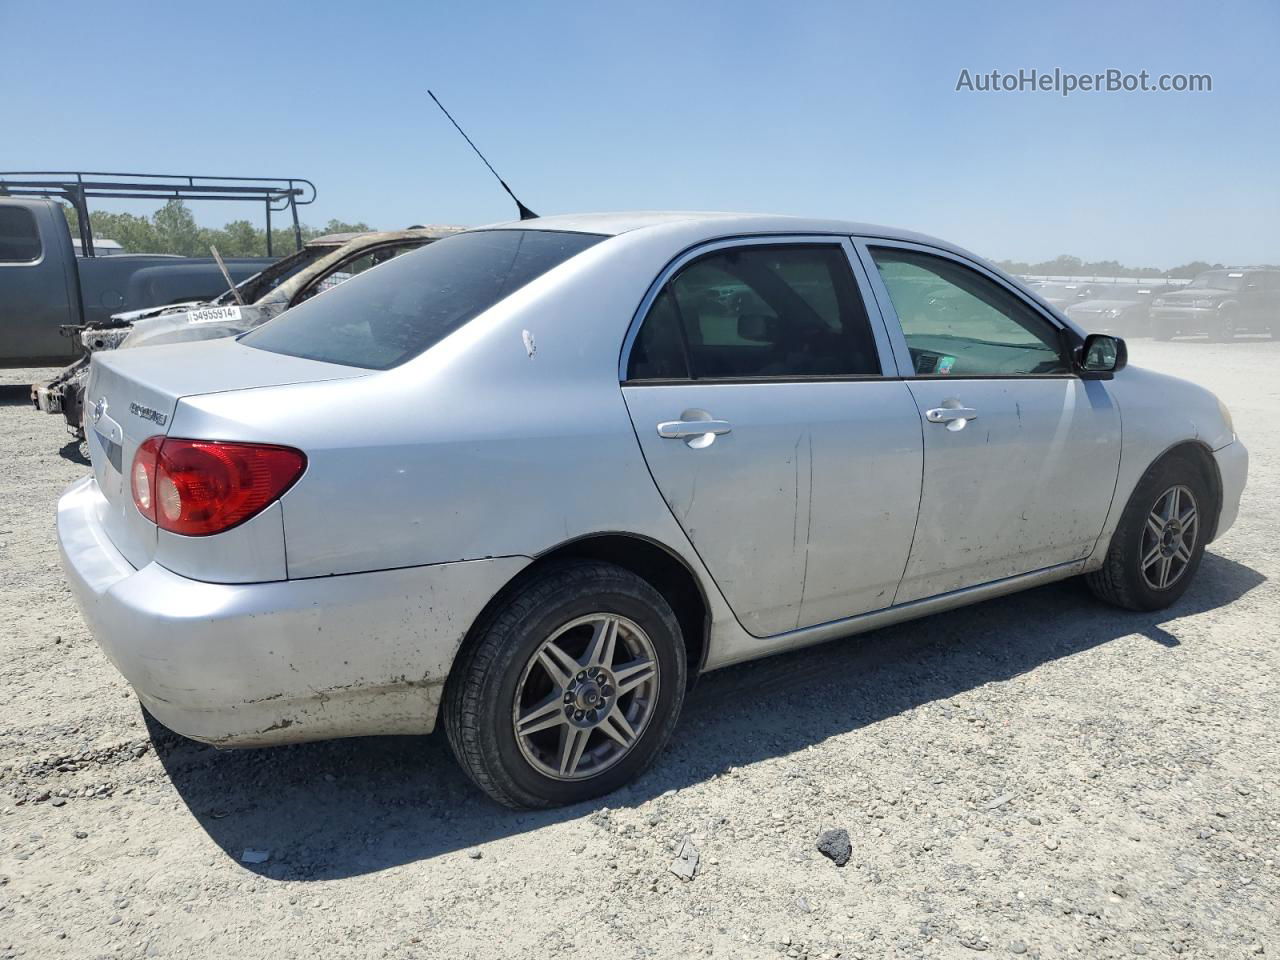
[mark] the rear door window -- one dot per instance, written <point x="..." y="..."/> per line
<point x="755" y="311"/>
<point x="19" y="239"/>
<point x="383" y="317"/>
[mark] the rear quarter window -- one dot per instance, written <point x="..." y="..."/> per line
<point x="19" y="239"/>
<point x="386" y="316"/>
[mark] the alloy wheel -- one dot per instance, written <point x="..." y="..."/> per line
<point x="1169" y="537"/>
<point x="586" y="696"/>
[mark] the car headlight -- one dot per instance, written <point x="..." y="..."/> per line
<point x="1112" y="313"/>
<point x="1226" y="418"/>
<point x="1158" y="302"/>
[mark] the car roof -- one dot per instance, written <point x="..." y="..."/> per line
<point x="434" y="231"/>
<point x="708" y="225"/>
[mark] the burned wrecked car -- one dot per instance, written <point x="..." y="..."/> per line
<point x="321" y="264"/>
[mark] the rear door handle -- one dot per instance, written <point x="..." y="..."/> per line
<point x="687" y="429"/>
<point x="950" y="414"/>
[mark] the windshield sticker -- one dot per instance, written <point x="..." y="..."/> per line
<point x="945" y="364"/>
<point x="213" y="315"/>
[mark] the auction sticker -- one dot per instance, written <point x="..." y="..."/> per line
<point x="214" y="315"/>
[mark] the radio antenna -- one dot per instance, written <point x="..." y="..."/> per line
<point x="525" y="212"/>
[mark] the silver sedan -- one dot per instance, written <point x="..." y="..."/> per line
<point x="534" y="478"/>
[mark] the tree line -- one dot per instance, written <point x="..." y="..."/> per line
<point x="173" y="229"/>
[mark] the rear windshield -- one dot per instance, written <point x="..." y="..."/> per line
<point x="387" y="315"/>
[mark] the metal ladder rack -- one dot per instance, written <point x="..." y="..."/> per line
<point x="276" y="194"/>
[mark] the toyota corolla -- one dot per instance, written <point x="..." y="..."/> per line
<point x="531" y="480"/>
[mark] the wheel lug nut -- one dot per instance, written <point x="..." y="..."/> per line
<point x="579" y="715"/>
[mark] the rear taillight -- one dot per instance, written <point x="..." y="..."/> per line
<point x="199" y="487"/>
<point x="142" y="478"/>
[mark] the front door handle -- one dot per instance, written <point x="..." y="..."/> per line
<point x="949" y="414"/>
<point x="691" y="429"/>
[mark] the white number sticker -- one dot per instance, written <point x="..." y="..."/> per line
<point x="214" y="315"/>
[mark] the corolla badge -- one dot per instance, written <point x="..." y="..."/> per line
<point x="99" y="408"/>
<point x="149" y="413"/>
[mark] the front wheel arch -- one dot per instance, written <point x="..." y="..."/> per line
<point x="1202" y="456"/>
<point x="1121" y="576"/>
<point x="1199" y="454"/>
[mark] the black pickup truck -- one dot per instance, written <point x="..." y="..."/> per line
<point x="45" y="286"/>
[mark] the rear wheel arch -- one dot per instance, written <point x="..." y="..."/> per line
<point x="654" y="563"/>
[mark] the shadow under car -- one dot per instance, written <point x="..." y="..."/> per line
<point x="347" y="807"/>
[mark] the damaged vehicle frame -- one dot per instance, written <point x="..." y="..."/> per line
<point x="533" y="478"/>
<point x="320" y="264"/>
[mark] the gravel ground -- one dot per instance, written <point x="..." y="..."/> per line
<point x="1038" y="775"/>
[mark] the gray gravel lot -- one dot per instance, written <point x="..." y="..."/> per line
<point x="1038" y="775"/>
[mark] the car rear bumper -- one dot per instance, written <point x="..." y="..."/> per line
<point x="267" y="663"/>
<point x="1233" y="468"/>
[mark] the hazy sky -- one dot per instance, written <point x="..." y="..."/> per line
<point x="843" y="109"/>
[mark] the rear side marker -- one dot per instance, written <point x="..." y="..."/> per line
<point x="201" y="487"/>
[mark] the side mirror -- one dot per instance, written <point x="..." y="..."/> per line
<point x="1101" y="356"/>
<point x="757" y="327"/>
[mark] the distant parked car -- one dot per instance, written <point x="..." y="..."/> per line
<point x="1063" y="294"/>
<point x="1220" y="303"/>
<point x="1117" y="308"/>
<point x="531" y="479"/>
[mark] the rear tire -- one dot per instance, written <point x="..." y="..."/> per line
<point x="1148" y="568"/>
<point x="542" y="709"/>
<point x="1162" y="330"/>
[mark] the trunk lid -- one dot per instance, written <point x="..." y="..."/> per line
<point x="132" y="394"/>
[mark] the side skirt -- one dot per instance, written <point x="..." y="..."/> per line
<point x="735" y="651"/>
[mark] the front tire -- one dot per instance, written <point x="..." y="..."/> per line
<point x="1225" y="329"/>
<point x="569" y="688"/>
<point x="1157" y="547"/>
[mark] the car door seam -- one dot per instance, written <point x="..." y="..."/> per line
<point x="808" y="531"/>
<point x="915" y="528"/>
<point x="1115" y="486"/>
<point x="693" y="547"/>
